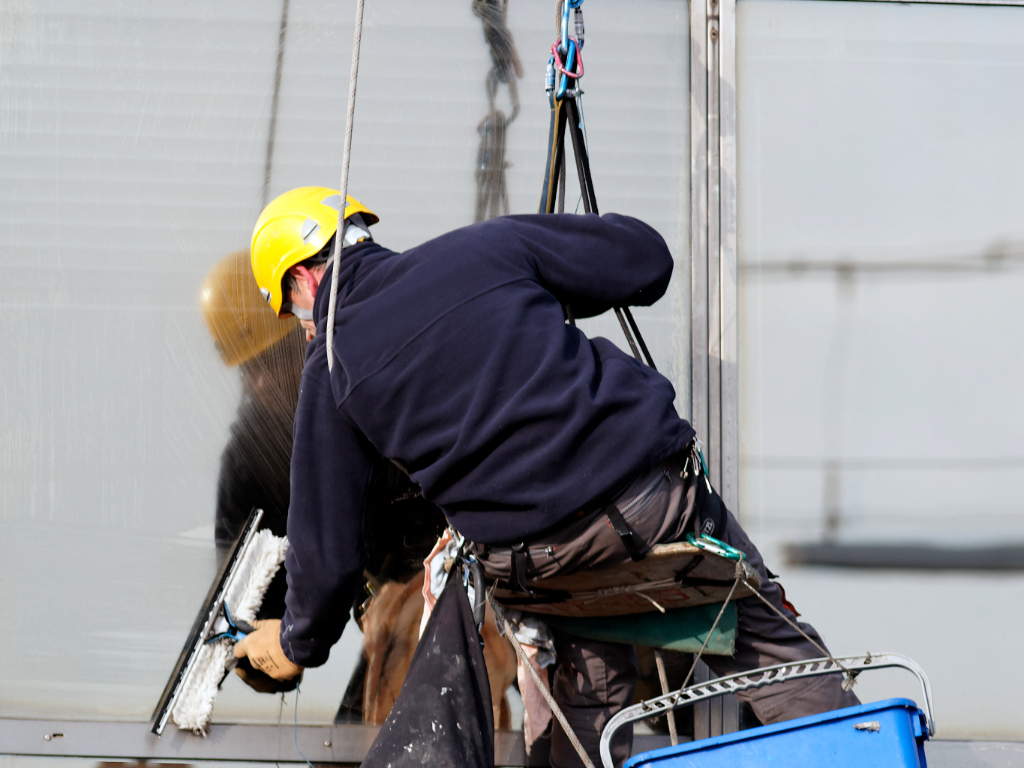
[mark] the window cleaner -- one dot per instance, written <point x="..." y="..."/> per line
<point x="225" y="618"/>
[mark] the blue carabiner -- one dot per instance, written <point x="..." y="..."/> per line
<point x="565" y="25"/>
<point x="570" y="60"/>
<point x="236" y="629"/>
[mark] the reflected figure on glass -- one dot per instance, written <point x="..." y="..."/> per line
<point x="254" y="473"/>
<point x="254" y="463"/>
<point x="268" y="354"/>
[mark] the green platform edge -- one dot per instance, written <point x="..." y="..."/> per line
<point x="680" y="629"/>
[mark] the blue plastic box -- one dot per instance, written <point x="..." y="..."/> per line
<point x="886" y="733"/>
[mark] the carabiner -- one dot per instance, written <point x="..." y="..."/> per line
<point x="236" y="629"/>
<point x="715" y="547"/>
<point x="572" y="57"/>
<point x="565" y="24"/>
<point x="566" y="44"/>
<point x="700" y="455"/>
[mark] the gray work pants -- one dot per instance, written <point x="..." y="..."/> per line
<point x="593" y="680"/>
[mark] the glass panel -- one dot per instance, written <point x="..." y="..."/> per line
<point x="135" y="140"/>
<point x="880" y="178"/>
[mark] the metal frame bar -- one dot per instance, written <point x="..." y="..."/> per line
<point x="728" y="328"/>
<point x="257" y="743"/>
<point x="744" y="681"/>
<point x="714" y="297"/>
<point x="699" y="213"/>
<point x="326" y="744"/>
<point x="935" y="2"/>
<point x="714" y="340"/>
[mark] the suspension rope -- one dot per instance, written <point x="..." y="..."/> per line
<point x="506" y="630"/>
<point x="565" y="64"/>
<point x="851" y="677"/>
<point x="718" y="618"/>
<point x="343" y="202"/>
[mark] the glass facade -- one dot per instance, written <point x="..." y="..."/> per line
<point x="880" y="183"/>
<point x="134" y="156"/>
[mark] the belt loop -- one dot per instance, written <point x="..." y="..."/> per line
<point x="628" y="535"/>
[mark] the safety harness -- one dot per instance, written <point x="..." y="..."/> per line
<point x="566" y="105"/>
<point x="564" y="71"/>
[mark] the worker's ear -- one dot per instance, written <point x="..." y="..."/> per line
<point x="308" y="282"/>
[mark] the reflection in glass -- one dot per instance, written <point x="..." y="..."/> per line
<point x="880" y="234"/>
<point x="135" y="160"/>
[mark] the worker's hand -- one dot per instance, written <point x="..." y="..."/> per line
<point x="263" y="648"/>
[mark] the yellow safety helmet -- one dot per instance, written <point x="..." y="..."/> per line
<point x="293" y="227"/>
<point x="239" y="320"/>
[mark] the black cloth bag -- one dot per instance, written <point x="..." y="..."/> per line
<point x="443" y="714"/>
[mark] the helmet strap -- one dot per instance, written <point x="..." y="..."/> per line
<point x="356" y="231"/>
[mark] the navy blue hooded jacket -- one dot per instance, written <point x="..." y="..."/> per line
<point x="453" y="359"/>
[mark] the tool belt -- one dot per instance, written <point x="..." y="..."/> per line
<point x="655" y="577"/>
<point x="708" y="511"/>
<point x="671" y="576"/>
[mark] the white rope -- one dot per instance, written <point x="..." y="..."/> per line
<point x="507" y="631"/>
<point x="670" y="716"/>
<point x="344" y="184"/>
<point x="851" y="677"/>
<point x="714" y="626"/>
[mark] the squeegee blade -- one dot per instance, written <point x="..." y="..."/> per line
<point x="204" y="620"/>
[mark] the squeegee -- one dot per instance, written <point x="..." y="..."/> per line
<point x="230" y="606"/>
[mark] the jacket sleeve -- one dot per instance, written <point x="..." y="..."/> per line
<point x="329" y="483"/>
<point x="594" y="263"/>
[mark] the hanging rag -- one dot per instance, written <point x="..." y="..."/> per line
<point x="443" y="713"/>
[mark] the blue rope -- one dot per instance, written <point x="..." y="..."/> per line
<point x="295" y="732"/>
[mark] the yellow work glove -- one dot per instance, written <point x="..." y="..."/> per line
<point x="263" y="647"/>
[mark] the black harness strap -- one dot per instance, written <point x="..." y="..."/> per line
<point x="710" y="511"/>
<point x="565" y="115"/>
<point x="629" y="538"/>
<point x="556" y="148"/>
<point x="518" y="560"/>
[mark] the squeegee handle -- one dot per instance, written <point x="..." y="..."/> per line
<point x="237" y="629"/>
<point x="244" y="628"/>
